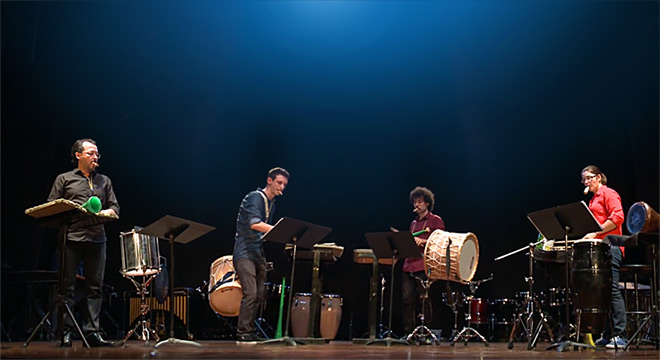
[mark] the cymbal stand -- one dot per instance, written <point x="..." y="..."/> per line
<point x="144" y="309"/>
<point x="421" y="334"/>
<point x="529" y="311"/>
<point x="454" y="304"/>
<point x="469" y="332"/>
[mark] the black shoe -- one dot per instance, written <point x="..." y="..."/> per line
<point x="66" y="339"/>
<point x="95" y="340"/>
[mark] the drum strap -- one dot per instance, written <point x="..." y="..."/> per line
<point x="225" y="279"/>
<point x="266" y="205"/>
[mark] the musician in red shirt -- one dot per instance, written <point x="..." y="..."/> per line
<point x="607" y="209"/>
<point x="422" y="200"/>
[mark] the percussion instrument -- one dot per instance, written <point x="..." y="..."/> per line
<point x="503" y="311"/>
<point x="330" y="315"/>
<point x="553" y="297"/>
<point x="463" y="254"/>
<point x="300" y="314"/>
<point x="478" y="311"/>
<point x="225" y="291"/>
<point x="140" y="255"/>
<point x="366" y="256"/>
<point x="591" y="282"/>
<point x="642" y="218"/>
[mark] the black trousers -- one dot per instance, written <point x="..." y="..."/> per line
<point x="411" y="292"/>
<point x="93" y="256"/>
<point x="252" y="276"/>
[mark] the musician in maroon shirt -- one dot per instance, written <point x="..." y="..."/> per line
<point x="422" y="200"/>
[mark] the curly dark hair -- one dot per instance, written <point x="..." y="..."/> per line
<point x="425" y="193"/>
<point x="596" y="171"/>
<point x="78" y="147"/>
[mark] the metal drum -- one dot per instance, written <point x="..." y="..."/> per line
<point x="140" y="255"/>
<point x="591" y="283"/>
<point x="330" y="315"/>
<point x="300" y="314"/>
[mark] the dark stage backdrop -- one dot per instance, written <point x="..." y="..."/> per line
<point x="494" y="105"/>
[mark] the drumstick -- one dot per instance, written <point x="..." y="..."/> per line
<point x="393" y="229"/>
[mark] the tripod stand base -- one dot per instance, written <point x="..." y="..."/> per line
<point x="283" y="341"/>
<point x="176" y="341"/>
<point x="561" y="346"/>
<point x="146" y="330"/>
<point x="388" y="341"/>
<point x="466" y="334"/>
<point x="422" y="332"/>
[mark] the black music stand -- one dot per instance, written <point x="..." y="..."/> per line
<point x="573" y="220"/>
<point x="393" y="245"/>
<point x="182" y="231"/>
<point x="59" y="214"/>
<point x="297" y="233"/>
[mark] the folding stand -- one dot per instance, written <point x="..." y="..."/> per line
<point x="394" y="245"/>
<point x="297" y="233"/>
<point x="59" y="214"/>
<point x="182" y="231"/>
<point x="528" y="324"/>
<point x="573" y="219"/>
<point x="144" y="309"/>
<point x="469" y="332"/>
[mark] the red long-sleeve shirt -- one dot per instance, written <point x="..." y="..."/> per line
<point x="606" y="205"/>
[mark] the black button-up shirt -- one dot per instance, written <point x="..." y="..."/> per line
<point x="75" y="186"/>
<point x="255" y="208"/>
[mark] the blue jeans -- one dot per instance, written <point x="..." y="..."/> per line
<point x="618" y="313"/>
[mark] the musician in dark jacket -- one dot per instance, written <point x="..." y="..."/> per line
<point x="86" y="244"/>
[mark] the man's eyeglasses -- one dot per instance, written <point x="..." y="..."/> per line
<point x="587" y="178"/>
<point x="92" y="153"/>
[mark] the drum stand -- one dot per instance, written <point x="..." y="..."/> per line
<point x="468" y="332"/>
<point x="144" y="309"/>
<point x="530" y="301"/>
<point x="652" y="317"/>
<point x="421" y="334"/>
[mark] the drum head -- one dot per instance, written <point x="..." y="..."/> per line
<point x="469" y="259"/>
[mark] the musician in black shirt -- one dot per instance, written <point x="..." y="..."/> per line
<point x="86" y="244"/>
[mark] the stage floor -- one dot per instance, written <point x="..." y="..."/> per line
<point x="333" y="350"/>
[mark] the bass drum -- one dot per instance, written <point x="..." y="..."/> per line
<point x="225" y="291"/>
<point x="591" y="283"/>
<point x="463" y="254"/>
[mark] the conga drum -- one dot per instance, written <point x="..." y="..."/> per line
<point x="463" y="254"/>
<point x="225" y="291"/>
<point x="300" y="314"/>
<point x="330" y="315"/>
<point x="591" y="283"/>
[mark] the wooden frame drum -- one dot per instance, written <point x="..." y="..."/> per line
<point x="463" y="253"/>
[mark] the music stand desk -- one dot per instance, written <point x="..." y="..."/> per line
<point x="393" y="245"/>
<point x="182" y="231"/>
<point x="298" y="233"/>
